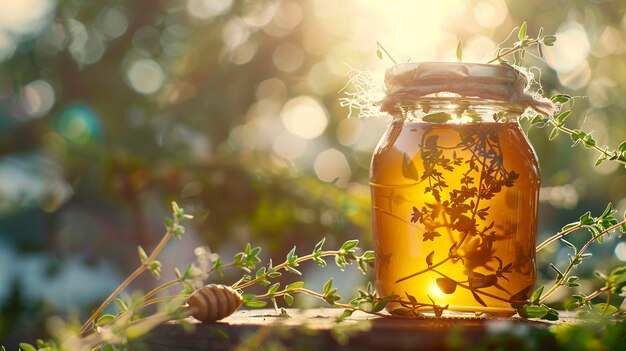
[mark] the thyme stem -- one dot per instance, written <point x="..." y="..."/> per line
<point x="604" y="152"/>
<point x="557" y="236"/>
<point x="283" y="265"/>
<point x="386" y="52"/>
<point x="517" y="47"/>
<point x="574" y="259"/>
<point x="144" y="265"/>
<point x="597" y="293"/>
<point x="338" y="304"/>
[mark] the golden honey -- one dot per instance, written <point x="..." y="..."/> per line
<point x="454" y="208"/>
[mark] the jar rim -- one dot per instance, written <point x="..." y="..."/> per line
<point x="405" y="75"/>
<point x="417" y="81"/>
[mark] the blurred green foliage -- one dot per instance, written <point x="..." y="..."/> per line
<point x="109" y="110"/>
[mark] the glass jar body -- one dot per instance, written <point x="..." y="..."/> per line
<point x="454" y="208"/>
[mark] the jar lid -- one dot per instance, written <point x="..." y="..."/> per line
<point x="418" y="73"/>
<point x="495" y="82"/>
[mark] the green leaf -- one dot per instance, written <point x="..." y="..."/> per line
<point x="618" y="272"/>
<point x="561" y="117"/>
<point x="294" y="286"/>
<point x="570" y="245"/>
<point x="379" y="305"/>
<point x="345" y="314"/>
<point x="293" y="270"/>
<point x="105" y="319"/>
<point x="318" y="246"/>
<point x="217" y="266"/>
<point x="121" y="304"/>
<point x="143" y="257"/>
<point x="560" y="98"/>
<point x="559" y="274"/>
<point x="608" y="211"/>
<point x="168" y="223"/>
<point x="589" y="141"/>
<point x="288" y="299"/>
<point x="155" y="268"/>
<point x="362" y="266"/>
<point x="586" y="219"/>
<point x="408" y="168"/>
<point x="328" y="285"/>
<point x="256" y="304"/>
<point x="571" y="282"/>
<point x="349" y="244"/>
<point x="320" y="261"/>
<point x="570" y="226"/>
<point x="549" y="40"/>
<point x="439" y="117"/>
<point x="255" y="251"/>
<point x="553" y="134"/>
<point x="601" y="275"/>
<point x="600" y="160"/>
<point x="531" y="311"/>
<point x="522" y="31"/>
<point x="332" y="296"/>
<point x="552" y="315"/>
<point x="602" y="306"/>
<point x="622" y="147"/>
<point x="291" y="256"/>
<point x="459" y="50"/>
<point x="27" y="347"/>
<point x="247" y="297"/>
<point x="537" y="120"/>
<point x="273" y="288"/>
<point x="178" y="232"/>
<point x="536" y="295"/>
<point x="108" y="347"/>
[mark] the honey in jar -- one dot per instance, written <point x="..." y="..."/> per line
<point x="454" y="185"/>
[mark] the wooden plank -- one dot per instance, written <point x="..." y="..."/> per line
<point x="316" y="329"/>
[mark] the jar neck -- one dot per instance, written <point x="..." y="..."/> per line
<point x="457" y="111"/>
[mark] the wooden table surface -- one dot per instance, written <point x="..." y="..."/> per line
<point x="316" y="329"/>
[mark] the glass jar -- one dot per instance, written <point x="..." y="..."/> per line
<point x="455" y="185"/>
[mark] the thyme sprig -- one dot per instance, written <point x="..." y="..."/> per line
<point x="148" y="262"/>
<point x="519" y="47"/>
<point x="579" y="137"/>
<point x="563" y="278"/>
<point x="614" y="282"/>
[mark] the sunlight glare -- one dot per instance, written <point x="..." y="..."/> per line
<point x="413" y="28"/>
<point x="305" y="117"/>
<point x="435" y="292"/>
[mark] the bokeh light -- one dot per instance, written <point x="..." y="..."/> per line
<point x="24" y="17"/>
<point x="332" y="166"/>
<point x="21" y="20"/>
<point x="38" y="98"/>
<point x="145" y="76"/>
<point x="206" y="9"/>
<point x="303" y="116"/>
<point x="79" y="123"/>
